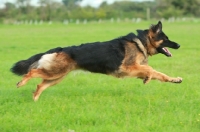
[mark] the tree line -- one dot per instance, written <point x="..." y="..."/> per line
<point x="50" y="10"/>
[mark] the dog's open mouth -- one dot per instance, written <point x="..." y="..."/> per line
<point x="167" y="52"/>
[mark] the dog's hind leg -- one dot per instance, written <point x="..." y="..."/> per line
<point x="36" y="73"/>
<point x="28" y="76"/>
<point x="44" y="85"/>
<point x="51" y="66"/>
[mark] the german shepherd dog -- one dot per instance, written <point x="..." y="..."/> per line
<point x="120" y="57"/>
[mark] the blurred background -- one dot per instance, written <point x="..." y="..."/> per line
<point x="77" y="11"/>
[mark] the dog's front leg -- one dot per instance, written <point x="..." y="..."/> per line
<point x="147" y="73"/>
<point x="140" y="71"/>
<point x="164" y="78"/>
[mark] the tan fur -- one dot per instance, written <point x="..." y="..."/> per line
<point x="45" y="84"/>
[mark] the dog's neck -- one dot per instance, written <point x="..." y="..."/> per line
<point x="143" y="37"/>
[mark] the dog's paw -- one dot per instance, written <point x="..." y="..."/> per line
<point x="35" y="98"/>
<point x="19" y="84"/>
<point x="177" y="80"/>
<point x="146" y="80"/>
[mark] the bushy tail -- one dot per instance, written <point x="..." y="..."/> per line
<point x="22" y="67"/>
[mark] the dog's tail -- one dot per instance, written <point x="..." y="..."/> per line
<point x="24" y="66"/>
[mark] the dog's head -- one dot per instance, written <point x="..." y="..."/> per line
<point x="160" y="41"/>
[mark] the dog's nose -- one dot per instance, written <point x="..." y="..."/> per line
<point x="178" y="46"/>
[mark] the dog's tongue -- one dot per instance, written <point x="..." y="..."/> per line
<point x="167" y="51"/>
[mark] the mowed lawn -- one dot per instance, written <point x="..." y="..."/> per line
<point x="86" y="102"/>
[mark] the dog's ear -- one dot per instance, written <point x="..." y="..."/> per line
<point x="157" y="28"/>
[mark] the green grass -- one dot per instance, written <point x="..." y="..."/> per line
<point x="85" y="102"/>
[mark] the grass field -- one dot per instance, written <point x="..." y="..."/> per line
<point x="85" y="102"/>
